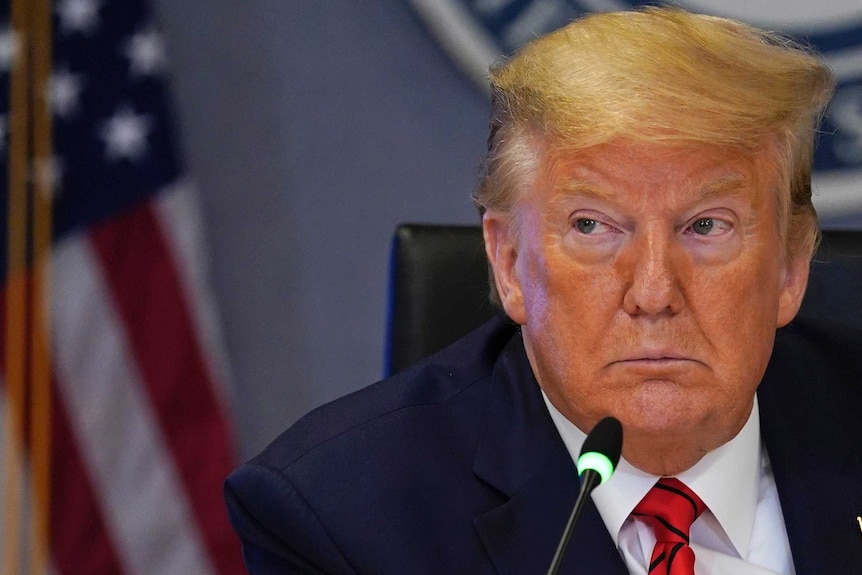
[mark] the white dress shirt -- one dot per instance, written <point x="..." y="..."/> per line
<point x="742" y="530"/>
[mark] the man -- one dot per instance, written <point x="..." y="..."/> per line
<point x="646" y="208"/>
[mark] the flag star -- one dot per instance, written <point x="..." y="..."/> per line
<point x="125" y="135"/>
<point x="10" y="47"/>
<point x="146" y="53"/>
<point x="64" y="92"/>
<point x="78" y="15"/>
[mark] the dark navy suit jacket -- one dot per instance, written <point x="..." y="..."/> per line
<point x="454" y="466"/>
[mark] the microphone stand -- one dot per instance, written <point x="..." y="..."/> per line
<point x="590" y="481"/>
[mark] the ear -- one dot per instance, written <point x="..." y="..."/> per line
<point x="792" y="289"/>
<point x="502" y="251"/>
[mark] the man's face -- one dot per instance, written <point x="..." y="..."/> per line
<point x="649" y="281"/>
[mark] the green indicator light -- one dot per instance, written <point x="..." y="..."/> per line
<point x="597" y="462"/>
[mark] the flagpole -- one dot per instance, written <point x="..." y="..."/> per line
<point x="16" y="290"/>
<point x="40" y="366"/>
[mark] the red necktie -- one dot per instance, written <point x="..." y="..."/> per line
<point x="670" y="508"/>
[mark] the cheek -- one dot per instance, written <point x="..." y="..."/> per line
<point x="570" y="310"/>
<point x="567" y="296"/>
<point x="736" y="310"/>
<point x="744" y="294"/>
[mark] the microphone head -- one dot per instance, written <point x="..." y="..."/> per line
<point x="602" y="448"/>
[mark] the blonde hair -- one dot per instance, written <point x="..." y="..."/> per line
<point x="659" y="75"/>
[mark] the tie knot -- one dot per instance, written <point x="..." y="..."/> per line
<point x="670" y="507"/>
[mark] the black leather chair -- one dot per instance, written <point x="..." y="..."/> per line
<point x="438" y="290"/>
<point x="439" y="287"/>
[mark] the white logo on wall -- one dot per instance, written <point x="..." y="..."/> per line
<point x="478" y="32"/>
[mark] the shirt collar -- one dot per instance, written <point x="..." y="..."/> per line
<point x="726" y="479"/>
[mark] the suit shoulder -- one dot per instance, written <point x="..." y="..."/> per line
<point x="440" y="379"/>
<point x="816" y="360"/>
<point x="813" y="343"/>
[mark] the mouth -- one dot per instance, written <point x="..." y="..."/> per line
<point x="656" y="363"/>
<point x="656" y="355"/>
<point x="655" y="358"/>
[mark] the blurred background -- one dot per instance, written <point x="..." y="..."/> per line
<point x="225" y="181"/>
<point x="313" y="128"/>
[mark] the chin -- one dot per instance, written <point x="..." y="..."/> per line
<point x="689" y="430"/>
<point x="658" y="415"/>
<point x="656" y="422"/>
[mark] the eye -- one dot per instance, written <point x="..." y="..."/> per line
<point x="590" y="226"/>
<point x="586" y="225"/>
<point x="709" y="227"/>
<point x="703" y="226"/>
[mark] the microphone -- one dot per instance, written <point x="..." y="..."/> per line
<point x="596" y="463"/>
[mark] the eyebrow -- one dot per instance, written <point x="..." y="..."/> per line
<point x="581" y="188"/>
<point x="731" y="185"/>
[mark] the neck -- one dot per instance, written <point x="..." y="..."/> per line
<point x="661" y="455"/>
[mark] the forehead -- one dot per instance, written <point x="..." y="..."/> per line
<point x="658" y="171"/>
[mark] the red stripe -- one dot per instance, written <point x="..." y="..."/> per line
<point x="139" y="269"/>
<point x="80" y="541"/>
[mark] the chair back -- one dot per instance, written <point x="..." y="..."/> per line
<point x="438" y="290"/>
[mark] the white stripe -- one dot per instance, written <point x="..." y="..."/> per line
<point x="837" y="194"/>
<point x="471" y="45"/>
<point x="846" y="63"/>
<point x="179" y="216"/>
<point x="121" y="443"/>
<point x="536" y="19"/>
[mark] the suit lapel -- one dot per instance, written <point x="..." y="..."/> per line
<point x="812" y="438"/>
<point x="522" y="456"/>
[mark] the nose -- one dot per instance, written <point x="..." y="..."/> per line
<point x="651" y="265"/>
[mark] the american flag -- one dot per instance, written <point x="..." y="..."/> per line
<point x="140" y="437"/>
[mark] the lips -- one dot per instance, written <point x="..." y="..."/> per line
<point x="655" y="359"/>
<point x="665" y="369"/>
<point x="656" y="354"/>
